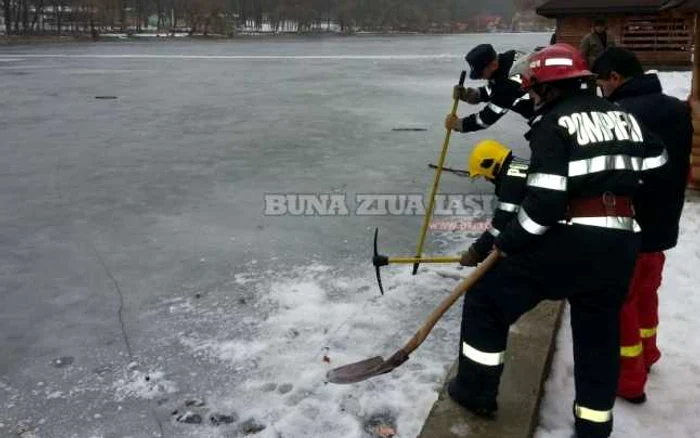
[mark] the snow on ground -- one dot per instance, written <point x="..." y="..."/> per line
<point x="673" y="389"/>
<point x="317" y="320"/>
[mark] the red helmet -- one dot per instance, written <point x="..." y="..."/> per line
<point x="555" y="63"/>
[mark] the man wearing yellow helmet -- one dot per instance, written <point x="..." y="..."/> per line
<point x="496" y="163"/>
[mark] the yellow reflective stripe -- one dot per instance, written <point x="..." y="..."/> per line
<point x="530" y="225"/>
<point x="614" y="222"/>
<point x="647" y="333"/>
<point x="489" y="359"/>
<point x="655" y="162"/>
<point x="592" y="414"/>
<point x="603" y="163"/>
<point x="507" y="206"/>
<point x="547" y="181"/>
<point x="631" y="351"/>
<point x="497" y="109"/>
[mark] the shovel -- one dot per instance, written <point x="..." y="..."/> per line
<point x="366" y="369"/>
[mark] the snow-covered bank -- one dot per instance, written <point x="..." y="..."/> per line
<point x="317" y="320"/>
<point x="673" y="407"/>
<point x="674" y="384"/>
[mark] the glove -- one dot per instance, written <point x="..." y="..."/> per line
<point x="470" y="258"/>
<point x="469" y="95"/>
<point x="472" y="96"/>
<point x="453" y="122"/>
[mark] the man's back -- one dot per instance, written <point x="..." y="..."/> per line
<point x="669" y="119"/>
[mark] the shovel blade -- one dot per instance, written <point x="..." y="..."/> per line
<point x="366" y="369"/>
<point x="355" y="372"/>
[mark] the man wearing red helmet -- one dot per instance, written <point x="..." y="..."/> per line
<point x="574" y="238"/>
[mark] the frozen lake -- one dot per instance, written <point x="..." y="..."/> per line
<point x="134" y="244"/>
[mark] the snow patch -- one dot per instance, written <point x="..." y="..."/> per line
<point x="138" y="384"/>
<point x="233" y="351"/>
<point x="55" y="394"/>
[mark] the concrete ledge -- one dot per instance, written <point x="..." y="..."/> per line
<point x="530" y="348"/>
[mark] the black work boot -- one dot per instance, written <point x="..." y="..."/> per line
<point x="480" y="406"/>
<point x="587" y="429"/>
<point x="638" y="400"/>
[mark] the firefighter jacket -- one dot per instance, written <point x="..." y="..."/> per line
<point x="510" y="190"/>
<point x="502" y="93"/>
<point x="583" y="147"/>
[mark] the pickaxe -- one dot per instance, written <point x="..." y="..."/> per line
<point x="379" y="260"/>
<point x="366" y="369"/>
<point x="457" y="172"/>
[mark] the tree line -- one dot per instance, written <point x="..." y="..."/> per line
<point x="228" y="16"/>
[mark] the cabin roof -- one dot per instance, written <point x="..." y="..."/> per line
<point x="560" y="8"/>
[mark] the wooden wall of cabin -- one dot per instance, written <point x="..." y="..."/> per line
<point x="659" y="41"/>
<point x="694" y="177"/>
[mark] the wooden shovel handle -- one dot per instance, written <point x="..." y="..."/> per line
<point x="457" y="292"/>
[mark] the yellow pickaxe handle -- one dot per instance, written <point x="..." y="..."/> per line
<point x="409" y="260"/>
<point x="436" y="182"/>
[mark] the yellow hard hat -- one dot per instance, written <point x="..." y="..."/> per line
<point x="487" y="159"/>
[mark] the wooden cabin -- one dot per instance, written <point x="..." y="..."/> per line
<point x="658" y="32"/>
<point x="664" y="34"/>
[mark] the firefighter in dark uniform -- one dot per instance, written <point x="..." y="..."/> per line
<point x="497" y="164"/>
<point x="503" y="91"/>
<point x="574" y="238"/>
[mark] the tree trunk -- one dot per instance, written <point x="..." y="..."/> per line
<point x="122" y="14"/>
<point x="18" y="11"/>
<point x="159" y="7"/>
<point x="59" y="16"/>
<point x="137" y="14"/>
<point x="8" y="17"/>
<point x="25" y="17"/>
<point x="38" y="10"/>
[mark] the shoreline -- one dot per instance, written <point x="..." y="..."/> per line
<point x="162" y="36"/>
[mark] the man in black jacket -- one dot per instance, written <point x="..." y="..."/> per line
<point x="497" y="164"/>
<point x="574" y="238"/>
<point x="503" y="91"/>
<point x="623" y="81"/>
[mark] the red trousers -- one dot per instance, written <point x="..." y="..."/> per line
<point x="639" y="319"/>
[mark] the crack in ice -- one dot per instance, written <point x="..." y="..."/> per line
<point x="121" y="301"/>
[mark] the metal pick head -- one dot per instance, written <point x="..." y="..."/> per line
<point x="378" y="261"/>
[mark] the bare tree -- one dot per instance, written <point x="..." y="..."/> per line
<point x="25" y="16"/>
